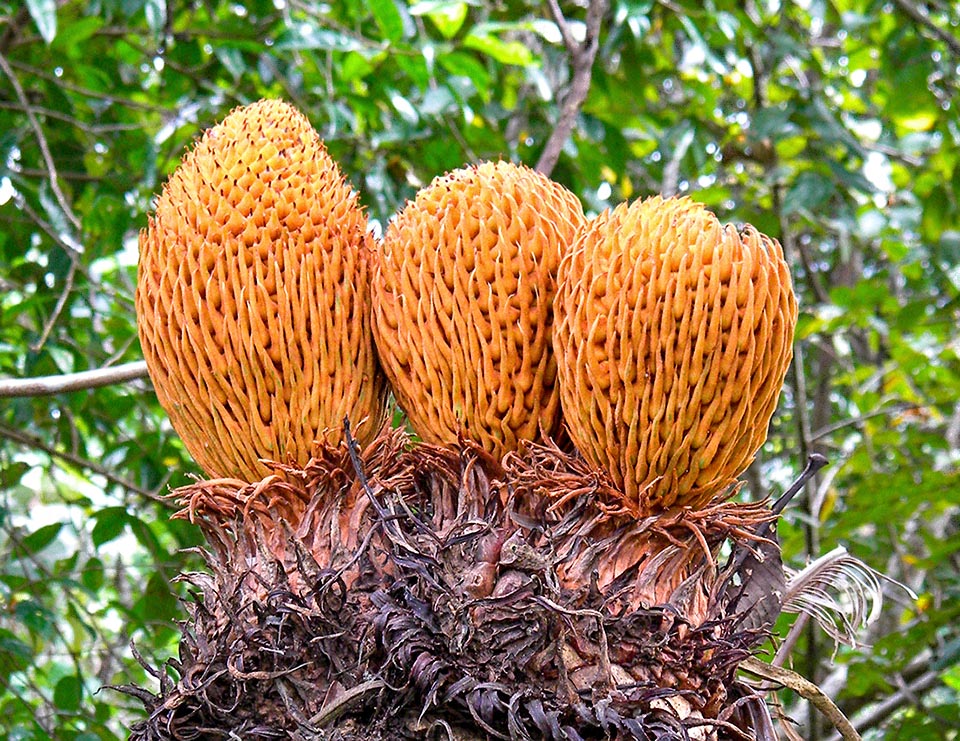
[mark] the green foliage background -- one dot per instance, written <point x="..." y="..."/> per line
<point x="832" y="125"/>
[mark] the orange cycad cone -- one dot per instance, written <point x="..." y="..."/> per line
<point x="253" y="297"/>
<point x="673" y="338"/>
<point x="463" y="304"/>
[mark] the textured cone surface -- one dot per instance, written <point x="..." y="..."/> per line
<point x="673" y="337"/>
<point x="253" y="296"/>
<point x="463" y="295"/>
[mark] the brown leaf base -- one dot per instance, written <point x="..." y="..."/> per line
<point x="447" y="595"/>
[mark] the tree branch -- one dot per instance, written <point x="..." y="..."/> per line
<point x="61" y="384"/>
<point x="581" y="60"/>
<point x="857" y="421"/>
<point x="883" y="710"/>
<point x="14" y="26"/>
<point x="806" y="689"/>
<point x="58" y="308"/>
<point x="792" y="249"/>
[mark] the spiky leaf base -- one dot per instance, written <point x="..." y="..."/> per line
<point x="444" y="590"/>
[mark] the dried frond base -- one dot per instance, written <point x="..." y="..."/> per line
<point x="443" y="594"/>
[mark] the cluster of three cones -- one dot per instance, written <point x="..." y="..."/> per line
<point x="655" y="336"/>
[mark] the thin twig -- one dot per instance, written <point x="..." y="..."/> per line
<point x="573" y="48"/>
<point x="65" y="382"/>
<point x="14" y="24"/>
<point x="877" y="714"/>
<point x="82" y="177"/>
<point x="35" y="442"/>
<point x="792" y="249"/>
<point x="855" y="421"/>
<point x="806" y="689"/>
<point x="41" y="142"/>
<point x="920" y="15"/>
<point x="91" y="129"/>
<point x="85" y="91"/>
<point x="58" y="308"/>
<point x="581" y="60"/>
<point x="47" y="228"/>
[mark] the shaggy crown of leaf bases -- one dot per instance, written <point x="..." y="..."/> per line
<point x="253" y="297"/>
<point x="463" y="304"/>
<point x="673" y="338"/>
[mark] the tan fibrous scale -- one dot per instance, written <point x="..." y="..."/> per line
<point x="463" y="292"/>
<point x="253" y="297"/>
<point x="673" y="337"/>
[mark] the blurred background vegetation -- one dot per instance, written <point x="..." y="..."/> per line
<point x="830" y="124"/>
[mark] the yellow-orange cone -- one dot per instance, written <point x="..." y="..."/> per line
<point x="463" y="304"/>
<point x="253" y="296"/>
<point x="673" y="337"/>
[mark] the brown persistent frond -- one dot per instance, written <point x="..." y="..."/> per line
<point x="433" y="587"/>
<point x="654" y="560"/>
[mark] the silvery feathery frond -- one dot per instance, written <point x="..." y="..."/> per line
<point x="840" y="592"/>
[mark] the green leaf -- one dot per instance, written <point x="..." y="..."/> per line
<point x="853" y="180"/>
<point x="40" y="539"/>
<point x="56" y="214"/>
<point x="388" y="19"/>
<point x="146" y="537"/>
<point x="912" y="105"/>
<point x="305" y="35"/>
<point x="436" y="101"/>
<point x="810" y="190"/>
<point x="705" y="48"/>
<point x="68" y="693"/>
<point x="448" y="17"/>
<point x="15" y="655"/>
<point x="37" y="618"/>
<point x="11" y="474"/>
<point x="482" y="38"/>
<point x="465" y="65"/>
<point x="771" y="122"/>
<point x="936" y="213"/>
<point x="356" y="66"/>
<point x="232" y="60"/>
<point x="44" y="14"/>
<point x="790" y="146"/>
<point x="157" y="601"/>
<point x="110" y="522"/>
<point x="156" y="15"/>
<point x="71" y="37"/>
<point x="92" y="575"/>
<point x="406" y="110"/>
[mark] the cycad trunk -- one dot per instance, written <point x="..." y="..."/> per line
<point x="426" y="592"/>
